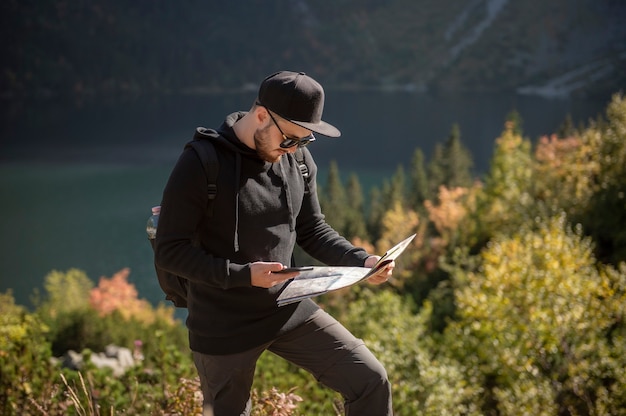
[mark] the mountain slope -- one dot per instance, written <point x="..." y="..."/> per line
<point x="535" y="47"/>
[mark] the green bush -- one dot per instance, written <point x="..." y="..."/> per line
<point x="541" y="325"/>
<point x="25" y="372"/>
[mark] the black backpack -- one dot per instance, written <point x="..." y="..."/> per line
<point x="175" y="287"/>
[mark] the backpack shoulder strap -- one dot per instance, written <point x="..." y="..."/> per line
<point x="304" y="169"/>
<point x="208" y="156"/>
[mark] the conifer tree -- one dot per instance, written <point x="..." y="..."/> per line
<point x="419" y="182"/>
<point x="436" y="170"/>
<point x="355" y="215"/>
<point x="506" y="201"/>
<point x="451" y="164"/>
<point x="458" y="161"/>
<point x="334" y="201"/>
<point x="392" y="196"/>
<point x="376" y="213"/>
<point x="397" y="189"/>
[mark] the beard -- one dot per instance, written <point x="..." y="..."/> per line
<point x="263" y="144"/>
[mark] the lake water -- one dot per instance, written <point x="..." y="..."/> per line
<point x="77" y="181"/>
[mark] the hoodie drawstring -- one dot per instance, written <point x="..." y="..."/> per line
<point x="237" y="175"/>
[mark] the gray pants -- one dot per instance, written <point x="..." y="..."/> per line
<point x="321" y="346"/>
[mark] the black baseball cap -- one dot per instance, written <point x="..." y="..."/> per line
<point x="298" y="98"/>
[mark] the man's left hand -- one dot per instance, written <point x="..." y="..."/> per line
<point x="383" y="275"/>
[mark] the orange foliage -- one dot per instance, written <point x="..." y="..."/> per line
<point x="551" y="150"/>
<point x="567" y="170"/>
<point x="116" y="294"/>
<point x="451" y="210"/>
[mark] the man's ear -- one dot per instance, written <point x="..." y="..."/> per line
<point x="260" y="115"/>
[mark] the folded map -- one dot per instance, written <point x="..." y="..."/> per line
<point x="319" y="280"/>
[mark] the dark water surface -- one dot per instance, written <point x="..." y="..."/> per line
<point x="77" y="181"/>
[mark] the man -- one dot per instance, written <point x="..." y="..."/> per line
<point x="262" y="209"/>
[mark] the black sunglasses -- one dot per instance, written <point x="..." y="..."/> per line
<point x="288" y="141"/>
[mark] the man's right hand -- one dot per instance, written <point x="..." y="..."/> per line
<point x="262" y="274"/>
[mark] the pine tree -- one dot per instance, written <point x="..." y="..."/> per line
<point x="355" y="216"/>
<point x="458" y="161"/>
<point x="419" y="182"/>
<point x="436" y="170"/>
<point x="451" y="164"/>
<point x="376" y="213"/>
<point x="334" y="201"/>
<point x="397" y="189"/>
<point x="506" y="201"/>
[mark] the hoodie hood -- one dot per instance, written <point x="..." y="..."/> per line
<point x="225" y="137"/>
